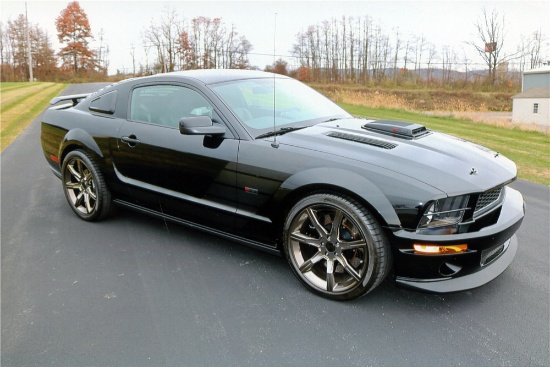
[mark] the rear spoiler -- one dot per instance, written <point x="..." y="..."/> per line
<point x="75" y="98"/>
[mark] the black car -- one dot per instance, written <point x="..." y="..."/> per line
<point x="264" y="160"/>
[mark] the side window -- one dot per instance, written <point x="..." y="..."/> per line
<point x="166" y="104"/>
<point x="536" y="108"/>
<point x="104" y="103"/>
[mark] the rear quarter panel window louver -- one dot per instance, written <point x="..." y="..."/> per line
<point x="362" y="140"/>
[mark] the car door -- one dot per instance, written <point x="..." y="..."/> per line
<point x="191" y="177"/>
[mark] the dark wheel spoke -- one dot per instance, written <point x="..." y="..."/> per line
<point x="79" y="199"/>
<point x="348" y="268"/>
<point x="302" y="238"/>
<point x="79" y="168"/>
<point x="92" y="194"/>
<point x="330" y="275"/>
<point x="87" y="201"/>
<point x="88" y="178"/>
<point x="307" y="265"/>
<point x="336" y="223"/>
<point x="315" y="221"/>
<point x="73" y="172"/>
<point x="350" y="245"/>
<point x="72" y="185"/>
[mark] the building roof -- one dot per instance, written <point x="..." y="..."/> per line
<point x="534" y="93"/>
<point x="542" y="70"/>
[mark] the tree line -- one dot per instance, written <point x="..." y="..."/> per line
<point x="345" y="49"/>
<point x="203" y="43"/>
<point x="357" y="50"/>
<point x="14" y="52"/>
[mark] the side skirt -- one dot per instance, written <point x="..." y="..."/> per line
<point x="241" y="240"/>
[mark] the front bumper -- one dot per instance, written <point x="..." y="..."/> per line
<point x="469" y="281"/>
<point x="490" y="252"/>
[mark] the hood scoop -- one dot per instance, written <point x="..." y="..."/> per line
<point x="398" y="129"/>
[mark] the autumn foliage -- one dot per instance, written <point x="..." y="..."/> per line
<point x="75" y="32"/>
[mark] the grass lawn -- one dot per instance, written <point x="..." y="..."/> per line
<point x="20" y="104"/>
<point x="530" y="150"/>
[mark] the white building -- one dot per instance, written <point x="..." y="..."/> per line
<point x="532" y="105"/>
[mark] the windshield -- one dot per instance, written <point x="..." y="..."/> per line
<point x="296" y="104"/>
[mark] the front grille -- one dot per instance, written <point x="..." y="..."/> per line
<point x="486" y="200"/>
<point x="362" y="140"/>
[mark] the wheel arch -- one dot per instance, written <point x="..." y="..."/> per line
<point x="337" y="181"/>
<point x="79" y="139"/>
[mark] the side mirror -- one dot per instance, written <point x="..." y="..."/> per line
<point x="200" y="125"/>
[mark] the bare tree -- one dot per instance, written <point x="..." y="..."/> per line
<point x="432" y="55"/>
<point x="397" y="48"/>
<point x="535" y="49"/>
<point x="133" y="55"/>
<point x="419" y="47"/>
<point x="447" y="60"/>
<point x="490" y="29"/>
<point x="164" y="38"/>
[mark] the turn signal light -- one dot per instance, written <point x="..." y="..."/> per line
<point x="438" y="250"/>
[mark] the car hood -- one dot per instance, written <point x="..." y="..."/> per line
<point x="452" y="165"/>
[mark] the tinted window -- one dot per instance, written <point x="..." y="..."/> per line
<point x="166" y="104"/>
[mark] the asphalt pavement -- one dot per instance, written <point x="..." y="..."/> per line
<point x="137" y="291"/>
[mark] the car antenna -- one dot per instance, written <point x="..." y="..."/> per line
<point x="275" y="144"/>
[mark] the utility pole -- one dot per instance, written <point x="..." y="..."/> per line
<point x="31" y="78"/>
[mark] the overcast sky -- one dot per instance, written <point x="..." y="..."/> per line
<point x="442" y="22"/>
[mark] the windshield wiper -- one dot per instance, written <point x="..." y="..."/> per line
<point x="281" y="131"/>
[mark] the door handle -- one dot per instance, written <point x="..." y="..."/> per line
<point x="131" y="140"/>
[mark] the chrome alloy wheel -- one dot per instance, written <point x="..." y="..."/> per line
<point x="328" y="248"/>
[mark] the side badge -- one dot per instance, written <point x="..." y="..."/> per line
<point x="250" y="190"/>
<point x="473" y="171"/>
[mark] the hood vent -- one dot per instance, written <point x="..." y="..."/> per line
<point x="398" y="129"/>
<point x="362" y="139"/>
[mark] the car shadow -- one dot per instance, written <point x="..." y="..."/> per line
<point x="244" y="262"/>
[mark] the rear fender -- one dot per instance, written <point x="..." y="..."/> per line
<point x="348" y="181"/>
<point x="80" y="139"/>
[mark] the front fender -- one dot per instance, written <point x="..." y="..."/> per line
<point x="347" y="180"/>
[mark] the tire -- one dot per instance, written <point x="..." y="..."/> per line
<point x="84" y="187"/>
<point x="339" y="264"/>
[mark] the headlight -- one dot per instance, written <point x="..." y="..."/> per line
<point x="443" y="216"/>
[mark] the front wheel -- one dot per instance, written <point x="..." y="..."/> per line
<point x="335" y="246"/>
<point x="84" y="187"/>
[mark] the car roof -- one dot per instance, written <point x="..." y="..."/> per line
<point x="213" y="76"/>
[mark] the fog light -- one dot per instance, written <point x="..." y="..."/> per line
<point x="439" y="250"/>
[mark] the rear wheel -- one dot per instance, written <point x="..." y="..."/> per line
<point x="335" y="246"/>
<point x="84" y="187"/>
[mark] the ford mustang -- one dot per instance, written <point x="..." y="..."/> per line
<point x="266" y="161"/>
